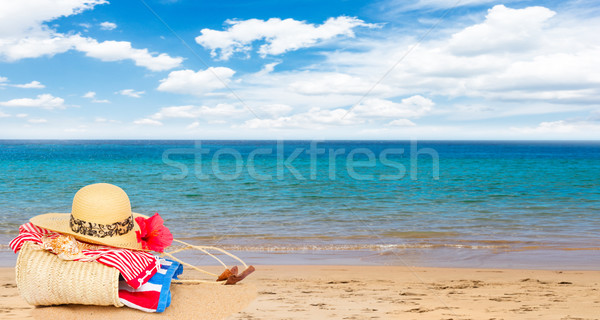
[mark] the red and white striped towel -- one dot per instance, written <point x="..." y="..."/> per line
<point x="136" y="267"/>
<point x="155" y="295"/>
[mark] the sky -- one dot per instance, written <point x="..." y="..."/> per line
<point x="345" y="69"/>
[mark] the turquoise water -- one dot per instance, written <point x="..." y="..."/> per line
<point x="468" y="203"/>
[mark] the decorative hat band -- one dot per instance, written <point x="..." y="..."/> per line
<point x="101" y="230"/>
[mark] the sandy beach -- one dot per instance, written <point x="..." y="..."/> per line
<point x="357" y="292"/>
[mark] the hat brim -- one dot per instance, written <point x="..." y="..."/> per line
<point x="59" y="222"/>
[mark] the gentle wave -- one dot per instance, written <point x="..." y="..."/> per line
<point x="498" y="246"/>
<point x="384" y="249"/>
<point x="348" y="247"/>
<point x="390" y="234"/>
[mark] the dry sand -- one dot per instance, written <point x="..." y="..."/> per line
<point x="356" y="292"/>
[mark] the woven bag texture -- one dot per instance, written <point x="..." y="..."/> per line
<point x="45" y="279"/>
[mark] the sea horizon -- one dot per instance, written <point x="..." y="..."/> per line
<point x="323" y="140"/>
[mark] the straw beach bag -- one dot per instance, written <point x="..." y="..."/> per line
<point x="44" y="279"/>
<point x="101" y="214"/>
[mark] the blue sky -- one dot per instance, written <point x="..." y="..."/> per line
<point x="420" y="69"/>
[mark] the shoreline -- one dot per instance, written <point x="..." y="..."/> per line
<point x="361" y="292"/>
<point x="551" y="259"/>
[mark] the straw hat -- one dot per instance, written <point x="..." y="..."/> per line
<point x="101" y="214"/>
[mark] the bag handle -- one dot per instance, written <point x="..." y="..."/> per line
<point x="229" y="274"/>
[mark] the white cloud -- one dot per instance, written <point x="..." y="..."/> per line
<point x="412" y="107"/>
<point x="315" y="118"/>
<point x="108" y="25"/>
<point x="149" y="122"/>
<point x="371" y="109"/>
<point x="4" y="115"/>
<point x="444" y="3"/>
<point x="280" y="36"/>
<point x="46" y="101"/>
<point x="504" y="30"/>
<point x="557" y="126"/>
<point x="192" y="112"/>
<point x="122" y="50"/>
<point x="336" y="83"/>
<point x="3" y="79"/>
<point x="268" y="68"/>
<point x="519" y="58"/>
<point x="14" y="49"/>
<point x="24" y="34"/>
<point x="392" y="9"/>
<point x="30" y="85"/>
<point x="586" y="127"/>
<point x="550" y="77"/>
<point x="37" y="121"/>
<point x="26" y="17"/>
<point x="213" y="115"/>
<point x="105" y="120"/>
<point x="33" y="47"/>
<point x="196" y="83"/>
<point x="193" y="125"/>
<point x="401" y="123"/>
<point x="177" y="112"/>
<point x="131" y="93"/>
<point x="92" y="95"/>
<point x="276" y="109"/>
<point x="22" y="115"/>
<point x="89" y="95"/>
<point x="79" y="129"/>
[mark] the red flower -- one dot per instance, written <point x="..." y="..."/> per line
<point x="153" y="234"/>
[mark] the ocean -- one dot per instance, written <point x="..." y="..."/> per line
<point x="525" y="204"/>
